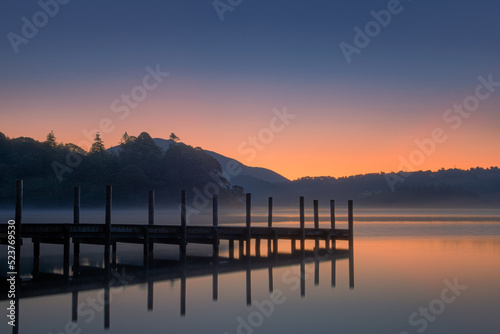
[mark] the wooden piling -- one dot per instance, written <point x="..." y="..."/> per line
<point x="215" y="224"/>
<point x="351" y="243"/>
<point x="248" y="222"/>
<point x="332" y="214"/>
<point x="36" y="248"/>
<point x="151" y="216"/>
<point x="107" y="227"/>
<point x="113" y="252"/>
<point x="350" y="219"/>
<point x="241" y="248"/>
<point x="316" y="213"/>
<point x="275" y="244"/>
<point x="269" y="220"/>
<point x="215" y="211"/>
<point x="67" y="240"/>
<point x="302" y="215"/>
<point x="302" y="225"/>
<point x="316" y="220"/>
<point x="270" y="213"/>
<point x="231" y="249"/>
<point x="76" y="221"/>
<point x="302" y="248"/>
<point x="183" y="244"/>
<point x="146" y="254"/>
<point x="36" y="256"/>
<point x="332" y="223"/>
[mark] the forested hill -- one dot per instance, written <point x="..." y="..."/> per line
<point x="446" y="188"/>
<point x="50" y="170"/>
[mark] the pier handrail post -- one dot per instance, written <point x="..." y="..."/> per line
<point x="332" y="223"/>
<point x="183" y="223"/>
<point x="351" y="243"/>
<point x="316" y="219"/>
<point x="316" y="214"/>
<point x="18" y="219"/>
<point x="151" y="207"/>
<point x="269" y="221"/>
<point x="350" y="218"/>
<point x="215" y="252"/>
<point x="248" y="221"/>
<point x="270" y="213"/>
<point x="332" y="214"/>
<point x="215" y="210"/>
<point x="76" y="221"/>
<point x="215" y="224"/>
<point x="109" y="192"/>
<point x="107" y="227"/>
<point x="76" y="205"/>
<point x="302" y="224"/>
<point x="151" y="216"/>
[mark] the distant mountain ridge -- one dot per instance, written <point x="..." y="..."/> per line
<point x="259" y="173"/>
<point x="476" y="187"/>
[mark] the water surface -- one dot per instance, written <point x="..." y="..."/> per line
<point x="405" y="267"/>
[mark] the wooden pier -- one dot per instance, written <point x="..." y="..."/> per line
<point x="109" y="235"/>
<point x="82" y="277"/>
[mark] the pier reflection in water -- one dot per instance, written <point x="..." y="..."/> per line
<point x="113" y="275"/>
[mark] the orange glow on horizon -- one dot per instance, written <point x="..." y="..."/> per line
<point x="327" y="143"/>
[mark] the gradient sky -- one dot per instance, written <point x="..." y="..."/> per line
<point x="226" y="77"/>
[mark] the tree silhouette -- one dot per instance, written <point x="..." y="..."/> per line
<point x="98" y="145"/>
<point x="51" y="139"/>
<point x="127" y="139"/>
<point x="174" y="138"/>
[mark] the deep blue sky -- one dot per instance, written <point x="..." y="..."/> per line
<point x="278" y="52"/>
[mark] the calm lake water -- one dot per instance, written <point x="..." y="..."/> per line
<point x="413" y="272"/>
